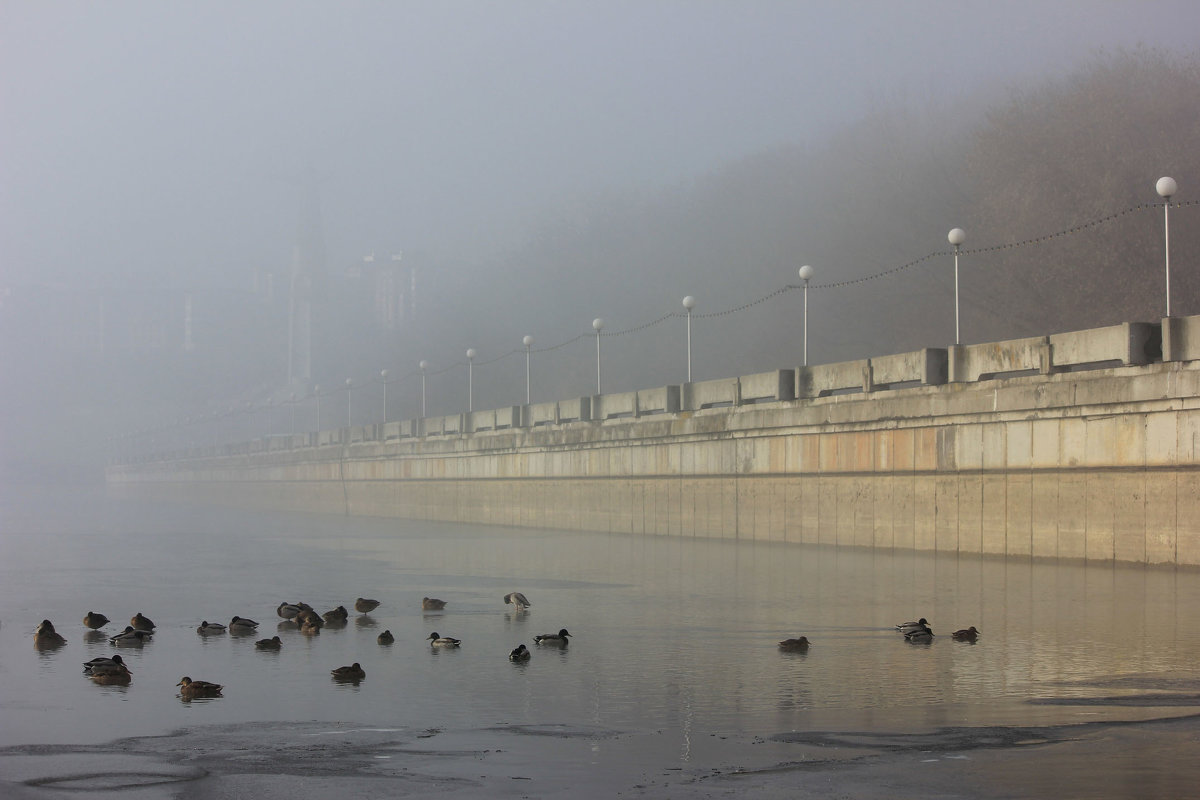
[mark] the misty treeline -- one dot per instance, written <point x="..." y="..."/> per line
<point x="1006" y="166"/>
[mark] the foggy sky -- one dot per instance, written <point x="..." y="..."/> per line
<point x="167" y="140"/>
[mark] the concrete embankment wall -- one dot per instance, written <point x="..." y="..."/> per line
<point x="1102" y="464"/>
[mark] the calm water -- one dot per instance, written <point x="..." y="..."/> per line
<point x="675" y="637"/>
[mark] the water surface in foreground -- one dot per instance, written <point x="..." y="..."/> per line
<point x="674" y="644"/>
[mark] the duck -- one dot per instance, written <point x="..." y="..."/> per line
<point x="189" y="688"/>
<point x="965" y="635"/>
<point x="443" y="641"/>
<point x="311" y="627"/>
<point x="336" y="616"/>
<point x="95" y="621"/>
<point x="102" y="663"/>
<point x="517" y="599"/>
<point x="274" y="643"/>
<point x="519" y="653"/>
<point x="432" y="604"/>
<point x="242" y="625"/>
<point x="112" y="678"/>
<point x="106" y="666"/>
<point x="795" y="645"/>
<point x="365" y="605"/>
<point x="131" y="636"/>
<point x="308" y="616"/>
<point x="559" y="638"/>
<point x="288" y="610"/>
<point x="46" y="636"/>
<point x="207" y="628"/>
<point x="905" y="627"/>
<point x="923" y="634"/>
<point x="385" y="638"/>
<point x="351" y="673"/>
<point x="142" y="623"/>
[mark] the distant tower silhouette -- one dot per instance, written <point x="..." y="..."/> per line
<point x="307" y="285"/>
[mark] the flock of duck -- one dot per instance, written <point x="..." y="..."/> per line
<point x="917" y="632"/>
<point x="113" y="671"/>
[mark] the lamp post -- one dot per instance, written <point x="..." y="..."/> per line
<point x="1166" y="187"/>
<point x="688" y="303"/>
<point x="424" y="365"/>
<point x="806" y="273"/>
<point x="471" y="379"/>
<point x="292" y="403"/>
<point x="956" y="237"/>
<point x="349" y="392"/>
<point x="383" y="376"/>
<point x="528" y="342"/>
<point x="598" y="325"/>
<point x="317" y="394"/>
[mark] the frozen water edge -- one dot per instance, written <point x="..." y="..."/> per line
<point x="1148" y="759"/>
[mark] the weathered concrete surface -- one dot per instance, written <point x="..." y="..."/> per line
<point x="1101" y="465"/>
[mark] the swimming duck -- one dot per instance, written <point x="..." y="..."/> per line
<point x="189" y="688"/>
<point x="559" y="638"/>
<point x="242" y="625"/>
<point x="308" y="616"/>
<point x="906" y="627"/>
<point x="965" y="635"/>
<point x="131" y="636"/>
<point x="207" y="628"/>
<point x="106" y="666"/>
<point x="112" y="678"/>
<point x="365" y="605"/>
<point x="351" y="673"/>
<point x="794" y="645"/>
<point x="385" y="638"/>
<point x="443" y="641"/>
<point x="923" y="634"/>
<point x="519" y="653"/>
<point x="46" y="636"/>
<point x="142" y="623"/>
<point x="274" y="643"/>
<point x="94" y="620"/>
<point x="288" y="610"/>
<point x="517" y="599"/>
<point x="311" y="627"/>
<point x="432" y="604"/>
<point x="336" y="616"/>
<point x="102" y="663"/>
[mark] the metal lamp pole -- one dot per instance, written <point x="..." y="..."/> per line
<point x="1166" y="187"/>
<point x="806" y="272"/>
<point x="471" y="378"/>
<point x="349" y="393"/>
<point x="528" y="342"/>
<point x="688" y="303"/>
<point x="598" y="325"/>
<point x="956" y="237"/>
<point x="424" y="365"/>
<point x="383" y="376"/>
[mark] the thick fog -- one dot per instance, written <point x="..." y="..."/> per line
<point x="457" y="175"/>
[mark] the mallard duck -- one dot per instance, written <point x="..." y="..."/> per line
<point x="794" y="644"/>
<point x="965" y="635"/>
<point x="131" y="636"/>
<point x="242" y="625"/>
<point x="189" y="688"/>
<point x="906" y="627"/>
<point x="102" y="663"/>
<point x="351" y="673"/>
<point x="94" y="621"/>
<point x="337" y="615"/>
<point x="311" y="627"/>
<point x="46" y="636"/>
<point x="207" y="628"/>
<point x="288" y="610"/>
<point x="519" y="653"/>
<point x="112" y="678"/>
<point x="517" y="599"/>
<point x="385" y="638"/>
<point x="559" y="638"/>
<point x="308" y="616"/>
<point x="106" y="666"/>
<point x="142" y="623"/>
<point x="443" y="641"/>
<point x="922" y="634"/>
<point x="274" y="643"/>
<point x="432" y="604"/>
<point x="365" y="605"/>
